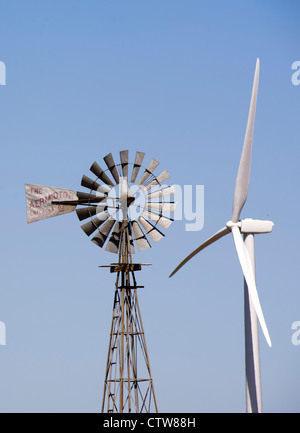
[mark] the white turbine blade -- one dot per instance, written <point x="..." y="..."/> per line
<point x="163" y="192"/>
<point x="224" y="231"/>
<point x="245" y="263"/>
<point x="243" y="176"/>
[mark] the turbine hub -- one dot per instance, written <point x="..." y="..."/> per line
<point x="230" y="224"/>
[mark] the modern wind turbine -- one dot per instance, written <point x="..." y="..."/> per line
<point x="245" y="252"/>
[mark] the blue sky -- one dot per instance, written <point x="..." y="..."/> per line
<point x="172" y="79"/>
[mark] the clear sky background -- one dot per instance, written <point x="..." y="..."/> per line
<point x="173" y="79"/>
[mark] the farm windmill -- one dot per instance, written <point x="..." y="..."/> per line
<point x="124" y="214"/>
<point x="245" y="252"/>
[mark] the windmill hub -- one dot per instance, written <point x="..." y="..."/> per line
<point x="130" y="200"/>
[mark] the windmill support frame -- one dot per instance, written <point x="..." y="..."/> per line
<point x="125" y="390"/>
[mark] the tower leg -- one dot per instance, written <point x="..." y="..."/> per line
<point x="253" y="379"/>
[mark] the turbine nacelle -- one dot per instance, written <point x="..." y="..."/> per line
<point x="249" y="225"/>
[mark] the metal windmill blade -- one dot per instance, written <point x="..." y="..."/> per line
<point x="124" y="162"/>
<point x="95" y="223"/>
<point x="103" y="233"/>
<point x="160" y="219"/>
<point x="139" y="156"/>
<point x="93" y="185"/>
<point x="109" y="161"/>
<point x="140" y="238"/>
<point x="148" y="171"/>
<point x="114" y="240"/>
<point x="162" y="177"/>
<point x="151" y="230"/>
<point x="161" y="206"/>
<point x="86" y="212"/>
<point x="161" y="192"/>
<point x="90" y="198"/>
<point x="97" y="170"/>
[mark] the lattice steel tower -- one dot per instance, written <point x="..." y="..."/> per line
<point x="128" y="385"/>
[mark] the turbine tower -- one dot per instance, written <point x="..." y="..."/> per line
<point x="246" y="254"/>
<point x="124" y="214"/>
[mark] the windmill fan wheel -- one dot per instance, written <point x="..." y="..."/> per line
<point x="119" y="202"/>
